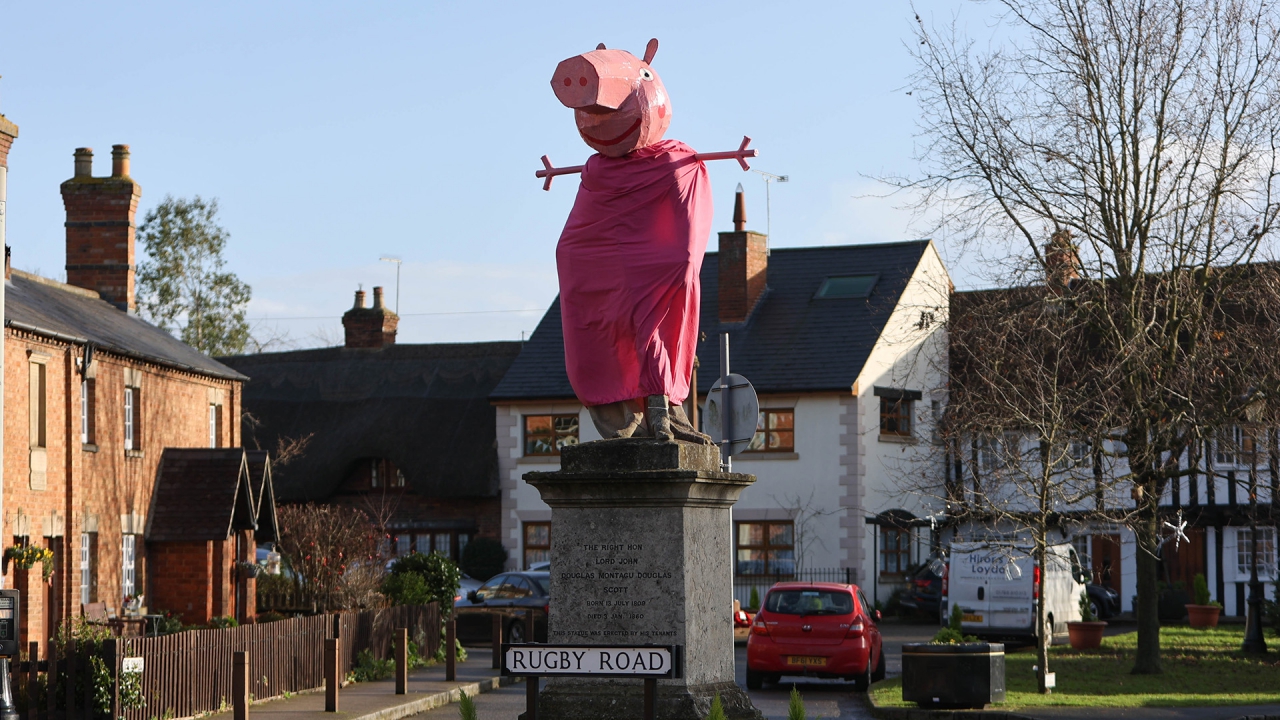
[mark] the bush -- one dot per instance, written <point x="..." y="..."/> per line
<point x="795" y="706"/>
<point x="953" y="633"/>
<point x="223" y="622"/>
<point x="1086" y="608"/>
<point x="1201" y="589"/>
<point x="483" y="558"/>
<point x="754" y="602"/>
<point x="466" y="707"/>
<point x="406" y="589"/>
<point x="717" y="709"/>
<point x="368" y="668"/>
<point x="439" y="578"/>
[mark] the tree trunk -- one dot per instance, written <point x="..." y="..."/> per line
<point x="1147" y="530"/>
<point x="1045" y="635"/>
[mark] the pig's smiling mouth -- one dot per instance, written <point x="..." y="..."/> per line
<point x="614" y="141"/>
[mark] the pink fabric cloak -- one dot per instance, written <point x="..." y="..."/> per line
<point x="629" y="259"/>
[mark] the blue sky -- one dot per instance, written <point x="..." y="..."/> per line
<point x="335" y="133"/>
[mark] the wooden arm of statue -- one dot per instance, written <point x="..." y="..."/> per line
<point x="741" y="155"/>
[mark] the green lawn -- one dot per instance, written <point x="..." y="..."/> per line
<point x="1201" y="667"/>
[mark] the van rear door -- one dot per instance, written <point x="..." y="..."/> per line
<point x="1011" y="590"/>
<point x="967" y="585"/>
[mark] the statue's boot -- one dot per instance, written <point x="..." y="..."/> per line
<point x="657" y="409"/>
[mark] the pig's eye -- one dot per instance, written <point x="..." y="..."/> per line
<point x="646" y="74"/>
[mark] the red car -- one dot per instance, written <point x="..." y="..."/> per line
<point x="825" y="630"/>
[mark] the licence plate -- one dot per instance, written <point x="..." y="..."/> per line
<point x="971" y="618"/>
<point x="805" y="660"/>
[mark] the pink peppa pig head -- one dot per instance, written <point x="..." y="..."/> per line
<point x="618" y="100"/>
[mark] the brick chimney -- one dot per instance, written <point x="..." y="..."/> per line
<point x="1061" y="262"/>
<point x="744" y="260"/>
<point x="373" y="327"/>
<point x="101" y="228"/>
<point x="8" y="133"/>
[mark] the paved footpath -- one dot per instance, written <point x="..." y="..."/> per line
<point x="378" y="701"/>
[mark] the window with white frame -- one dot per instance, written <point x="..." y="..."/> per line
<point x="132" y="414"/>
<point x="215" y="425"/>
<point x="1266" y="549"/>
<point x="1073" y="455"/>
<point x="990" y="454"/>
<point x="84" y="411"/>
<point x="1081" y="544"/>
<point x="1234" y="447"/>
<point x="86" y="568"/>
<point x="128" y="566"/>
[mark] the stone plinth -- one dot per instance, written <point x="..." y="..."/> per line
<point x="641" y="552"/>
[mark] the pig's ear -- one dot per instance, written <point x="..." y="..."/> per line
<point x="650" y="50"/>
<point x="601" y="47"/>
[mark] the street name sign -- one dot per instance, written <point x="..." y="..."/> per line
<point x="619" y="661"/>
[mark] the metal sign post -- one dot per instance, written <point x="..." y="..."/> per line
<point x="732" y="411"/>
<point x="535" y="661"/>
<point x="9" y="645"/>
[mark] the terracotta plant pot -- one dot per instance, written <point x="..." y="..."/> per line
<point x="1085" y="635"/>
<point x="1203" y="616"/>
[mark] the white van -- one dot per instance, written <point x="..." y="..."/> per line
<point x="998" y="585"/>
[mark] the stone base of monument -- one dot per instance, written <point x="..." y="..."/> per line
<point x="641" y="552"/>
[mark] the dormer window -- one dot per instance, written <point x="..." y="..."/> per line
<point x="846" y="286"/>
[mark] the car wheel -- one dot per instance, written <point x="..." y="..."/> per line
<point x="754" y="679"/>
<point x="878" y="674"/>
<point x="515" y="632"/>
<point x="862" y="680"/>
<point x="1097" y="611"/>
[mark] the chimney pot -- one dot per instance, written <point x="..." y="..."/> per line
<point x="739" y="210"/>
<point x="377" y="297"/>
<point x="119" y="161"/>
<point x="359" y="300"/>
<point x="84" y="162"/>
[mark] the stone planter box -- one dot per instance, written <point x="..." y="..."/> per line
<point x="962" y="675"/>
<point x="1203" y="616"/>
<point x="1085" y="635"/>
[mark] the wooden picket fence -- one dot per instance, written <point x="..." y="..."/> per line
<point x="190" y="673"/>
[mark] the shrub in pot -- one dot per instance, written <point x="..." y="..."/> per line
<point x="1087" y="633"/>
<point x="1203" y="614"/>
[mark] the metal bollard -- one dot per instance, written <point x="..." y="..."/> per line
<point x="451" y="650"/>
<point x="331" y="679"/>
<point x="402" y="661"/>
<point x="240" y="683"/>
<point x="497" y="641"/>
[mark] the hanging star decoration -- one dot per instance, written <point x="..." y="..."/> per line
<point x="1179" y="531"/>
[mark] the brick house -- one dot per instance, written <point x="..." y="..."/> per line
<point x="94" y="395"/>
<point x="210" y="508"/>
<point x="404" y="433"/>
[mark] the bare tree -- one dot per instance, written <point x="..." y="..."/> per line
<point x="1149" y="131"/>
<point x="1022" y="427"/>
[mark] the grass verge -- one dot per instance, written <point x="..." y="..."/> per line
<point x="1201" y="668"/>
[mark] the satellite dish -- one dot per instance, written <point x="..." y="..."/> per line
<point x="744" y="413"/>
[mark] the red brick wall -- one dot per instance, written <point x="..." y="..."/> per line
<point x="187" y="586"/>
<point x="99" y="482"/>
<point x="742" y="274"/>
